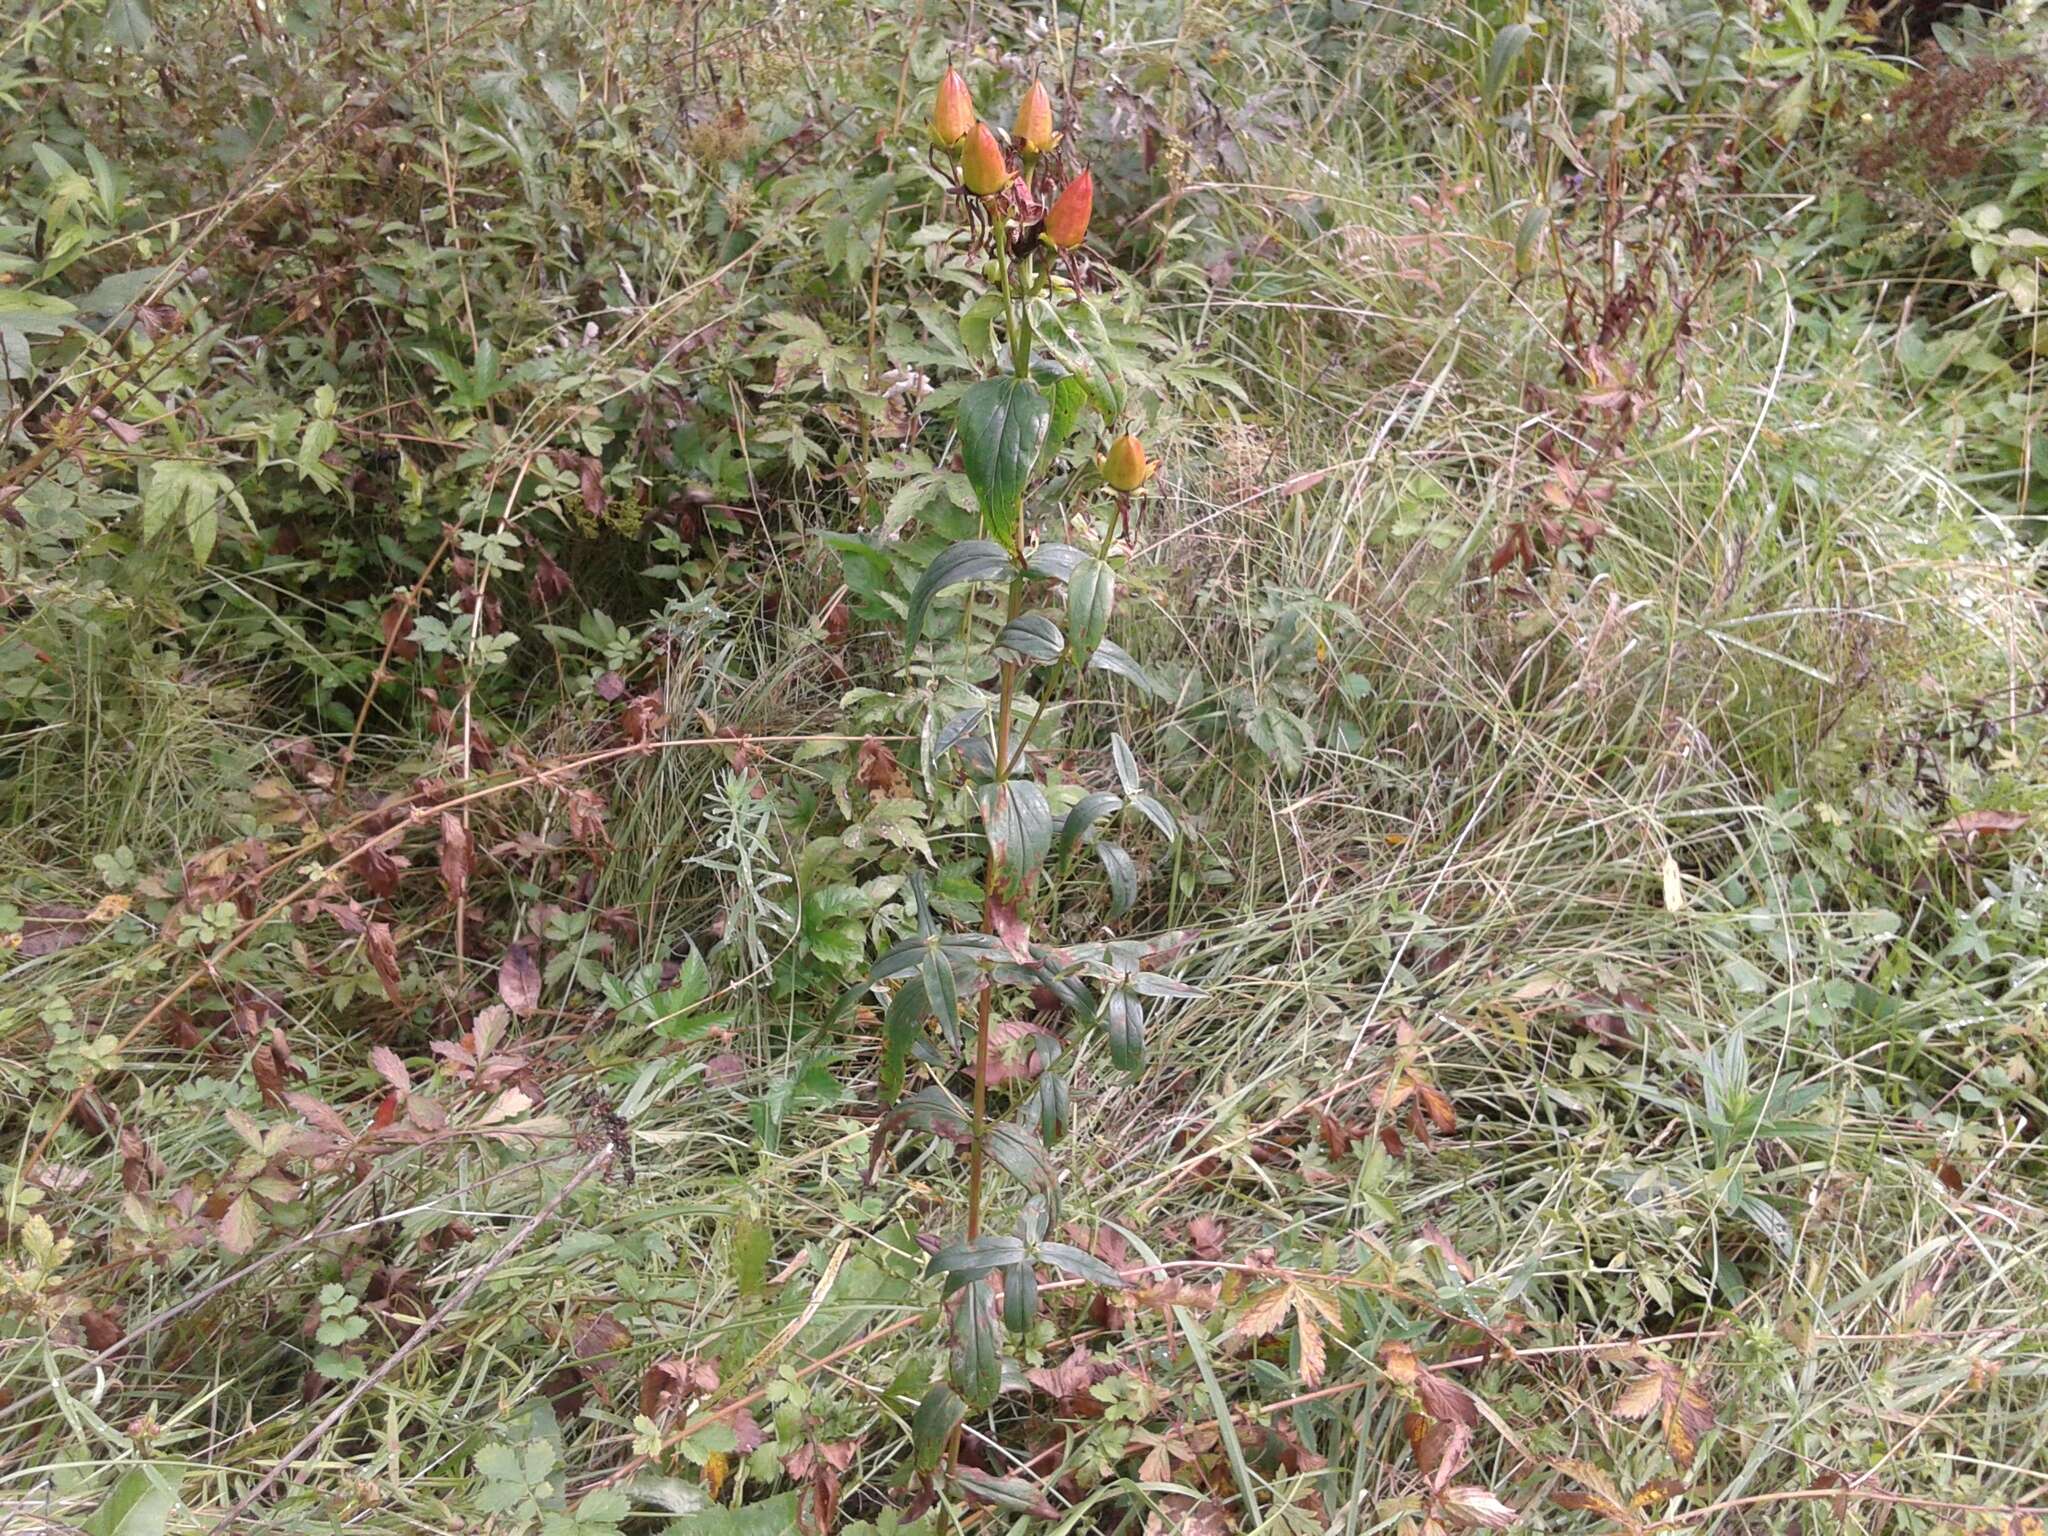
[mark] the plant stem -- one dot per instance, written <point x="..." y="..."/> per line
<point x="978" y="1130"/>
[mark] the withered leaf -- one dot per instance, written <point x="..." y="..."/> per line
<point x="1470" y="1505"/>
<point x="383" y="951"/>
<point x="519" y="979"/>
<point x="458" y="859"/>
<point x="388" y="1066"/>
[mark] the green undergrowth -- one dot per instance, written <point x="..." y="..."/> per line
<point x="1603" y="771"/>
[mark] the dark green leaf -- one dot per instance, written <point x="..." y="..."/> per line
<point x="932" y="1108"/>
<point x="1011" y="1493"/>
<point x="1091" y="594"/>
<point x="976" y="1366"/>
<point x="1032" y="637"/>
<point x="1123" y="1019"/>
<point x="1056" y="561"/>
<point x="956" y="730"/>
<point x="1052" y="1102"/>
<point x="1019" y="1153"/>
<point x="942" y="994"/>
<point x="976" y="1257"/>
<point x="1111" y="657"/>
<point x="938" y="1415"/>
<point x="1019" y="826"/>
<point x="1069" y="398"/>
<point x="969" y="560"/>
<point x="1123" y="877"/>
<point x="1081" y="1264"/>
<point x="1002" y="427"/>
<point x="1020" y="1297"/>
<point x="1090" y="809"/>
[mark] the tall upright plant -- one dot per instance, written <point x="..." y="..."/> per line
<point x="1035" y="593"/>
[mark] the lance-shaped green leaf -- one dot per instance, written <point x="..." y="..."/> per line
<point x="942" y="994"/>
<point x="1157" y="814"/>
<point x="956" y="729"/>
<point x="1052" y="1104"/>
<point x="1123" y="1020"/>
<point x="1011" y="1493"/>
<point x="1091" y="593"/>
<point x="1055" y="562"/>
<point x="1108" y="656"/>
<point x="968" y="560"/>
<point x="900" y="1028"/>
<point x="1123" y="876"/>
<point x="975" y="1368"/>
<point x="935" y="1110"/>
<point x="1019" y="826"/>
<point x="1081" y="1264"/>
<point x="1003" y="424"/>
<point x="1126" y="762"/>
<point x="1069" y="399"/>
<point x="1032" y="637"/>
<point x="938" y="1415"/>
<point x="1088" y="810"/>
<point x="975" y="1257"/>
<point x="1019" y="1153"/>
<point x="1020" y="1297"/>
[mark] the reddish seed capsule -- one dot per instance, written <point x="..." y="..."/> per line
<point x="1034" y="122"/>
<point x="1066" y="223"/>
<point x="982" y="165"/>
<point x="952" y="111"/>
<point x="1124" y="466"/>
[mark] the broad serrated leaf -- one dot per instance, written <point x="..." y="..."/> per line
<point x="968" y="560"/>
<point x="1003" y="425"/>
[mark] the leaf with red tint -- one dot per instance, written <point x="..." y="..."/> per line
<point x="878" y="771"/>
<point x="381" y="871"/>
<point x="383" y="950"/>
<point x="726" y="1069"/>
<point x="387" y="1112"/>
<point x="610" y="687"/>
<point x="672" y="1384"/>
<point x="1205" y="1233"/>
<point x="1470" y="1505"/>
<point x="590" y="481"/>
<point x="388" y="1066"/>
<point x="1460" y="1265"/>
<point x="103" y="1329"/>
<point x="550" y="582"/>
<point x="458" y="859"/>
<point x="641" y="720"/>
<point x="396" y="622"/>
<point x="519" y="979"/>
<point x="1069" y="1381"/>
<point x="1012" y="928"/>
<point x="1975" y="824"/>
